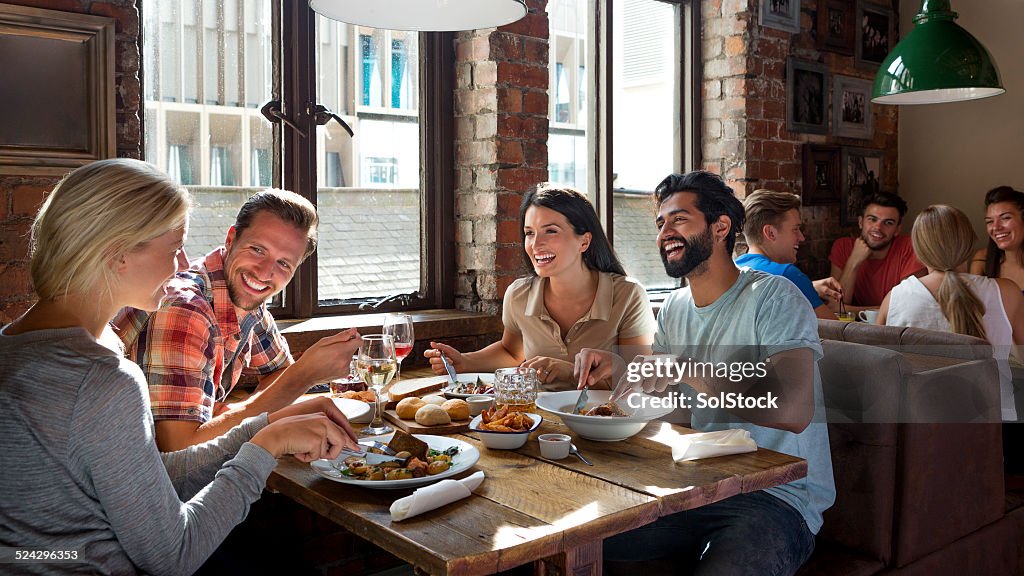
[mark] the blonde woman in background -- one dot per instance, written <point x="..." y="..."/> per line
<point x="949" y="300"/>
<point x="81" y="470"/>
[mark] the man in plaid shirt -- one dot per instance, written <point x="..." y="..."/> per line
<point x="214" y="326"/>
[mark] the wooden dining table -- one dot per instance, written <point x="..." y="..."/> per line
<point x="529" y="509"/>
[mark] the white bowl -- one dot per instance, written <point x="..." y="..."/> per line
<point x="601" y="428"/>
<point x="504" y="440"/>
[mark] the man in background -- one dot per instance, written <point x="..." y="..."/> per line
<point x="870" y="265"/>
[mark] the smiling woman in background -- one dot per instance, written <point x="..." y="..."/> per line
<point x="577" y="296"/>
<point x="1004" y="256"/>
<point x="81" y="470"/>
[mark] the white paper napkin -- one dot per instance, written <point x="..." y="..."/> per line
<point x="433" y="496"/>
<point x="710" y="444"/>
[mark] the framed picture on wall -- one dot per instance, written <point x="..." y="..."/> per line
<point x="821" y="172"/>
<point x="781" y="15"/>
<point x="862" y="175"/>
<point x="806" y="97"/>
<point x="875" y="34"/>
<point x="836" y="26"/>
<point x="59" y="112"/>
<point x="851" y="107"/>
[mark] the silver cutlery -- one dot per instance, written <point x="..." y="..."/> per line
<point x="453" y="381"/>
<point x="581" y="401"/>
<point x="576" y="453"/>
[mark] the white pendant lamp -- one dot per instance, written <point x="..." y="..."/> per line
<point x="422" y="15"/>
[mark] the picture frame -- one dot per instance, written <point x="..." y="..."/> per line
<point x="875" y="34"/>
<point x="806" y="97"/>
<point x="821" y="174"/>
<point x="852" y="113"/>
<point x="861" y="176"/>
<point x="781" y="15"/>
<point x="836" y="26"/>
<point x="60" y="113"/>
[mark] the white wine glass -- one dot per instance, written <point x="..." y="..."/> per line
<point x="377" y="365"/>
<point x="399" y="327"/>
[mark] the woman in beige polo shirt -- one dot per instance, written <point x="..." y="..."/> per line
<point x="578" y="296"/>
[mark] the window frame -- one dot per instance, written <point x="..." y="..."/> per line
<point x="299" y="165"/>
<point x="687" y="102"/>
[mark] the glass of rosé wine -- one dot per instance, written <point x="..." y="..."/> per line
<point x="399" y="327"/>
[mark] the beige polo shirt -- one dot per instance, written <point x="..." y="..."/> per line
<point x="620" y="310"/>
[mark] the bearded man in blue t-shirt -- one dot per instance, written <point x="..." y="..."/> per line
<point x="727" y="315"/>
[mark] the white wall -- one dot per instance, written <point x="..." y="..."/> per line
<point x="954" y="153"/>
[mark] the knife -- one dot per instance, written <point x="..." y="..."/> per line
<point x="451" y="371"/>
<point x="581" y="401"/>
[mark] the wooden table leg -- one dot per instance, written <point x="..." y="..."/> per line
<point x="584" y="560"/>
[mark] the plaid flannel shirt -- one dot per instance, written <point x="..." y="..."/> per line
<point x="184" y="347"/>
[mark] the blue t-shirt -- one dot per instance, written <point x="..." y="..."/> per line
<point x="759" y="316"/>
<point x="790" y="271"/>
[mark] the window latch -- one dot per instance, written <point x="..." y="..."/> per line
<point x="272" y="112"/>
<point x="322" y="114"/>
<point x="402" y="299"/>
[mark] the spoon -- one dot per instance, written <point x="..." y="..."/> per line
<point x="576" y="453"/>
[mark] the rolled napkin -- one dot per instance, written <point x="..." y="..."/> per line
<point x="434" y="496"/>
<point x="710" y="444"/>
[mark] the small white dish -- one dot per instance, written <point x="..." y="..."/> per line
<point x="554" y="446"/>
<point x="479" y="403"/>
<point x="504" y="440"/>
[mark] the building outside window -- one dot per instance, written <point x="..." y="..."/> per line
<point x="645" y="84"/>
<point x="203" y="125"/>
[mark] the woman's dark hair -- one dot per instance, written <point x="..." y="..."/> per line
<point x="714" y="199"/>
<point x="993" y="255"/>
<point x="580" y="213"/>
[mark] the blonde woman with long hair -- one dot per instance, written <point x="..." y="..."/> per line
<point x="948" y="299"/>
<point x="81" y="469"/>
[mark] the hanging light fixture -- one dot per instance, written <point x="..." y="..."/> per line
<point x="937" y="62"/>
<point x="422" y="15"/>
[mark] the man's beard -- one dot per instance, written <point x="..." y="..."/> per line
<point x="696" y="251"/>
<point x="885" y="244"/>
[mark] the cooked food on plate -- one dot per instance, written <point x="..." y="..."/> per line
<point x="364" y="396"/>
<point x="606" y="409"/>
<point x="471" y="388"/>
<point x="501" y="420"/>
<point x="434" y="462"/>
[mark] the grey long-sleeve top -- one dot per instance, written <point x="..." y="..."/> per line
<point x="80" y="469"/>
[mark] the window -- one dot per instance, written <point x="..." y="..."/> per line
<point x="644" y="62"/>
<point x="376" y="192"/>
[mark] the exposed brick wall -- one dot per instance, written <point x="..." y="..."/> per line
<point x="501" y="119"/>
<point x="745" y="137"/>
<point x="21" y="196"/>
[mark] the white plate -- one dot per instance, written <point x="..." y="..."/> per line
<point x="470" y="377"/>
<point x="464" y="460"/>
<point x="354" y="410"/>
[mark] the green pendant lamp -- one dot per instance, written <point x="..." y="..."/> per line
<point x="937" y="62"/>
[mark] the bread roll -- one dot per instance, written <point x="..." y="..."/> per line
<point x="435" y="399"/>
<point x="457" y="409"/>
<point x="432" y="415"/>
<point x="407" y="407"/>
